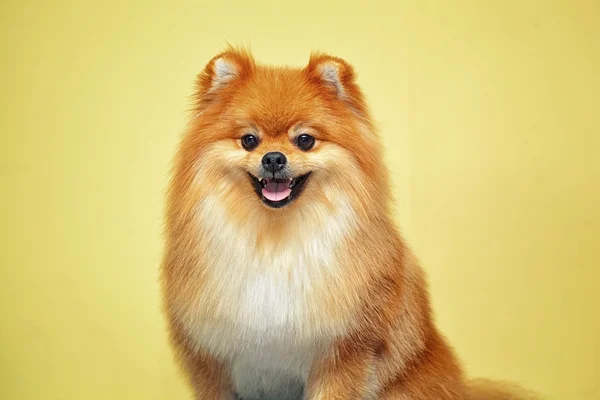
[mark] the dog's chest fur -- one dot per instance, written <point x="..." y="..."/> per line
<point x="266" y="320"/>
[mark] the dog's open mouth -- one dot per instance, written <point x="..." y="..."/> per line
<point x="277" y="193"/>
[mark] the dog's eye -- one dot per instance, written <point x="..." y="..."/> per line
<point x="305" y="142"/>
<point x="249" y="142"/>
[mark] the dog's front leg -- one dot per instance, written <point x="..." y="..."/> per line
<point x="345" y="372"/>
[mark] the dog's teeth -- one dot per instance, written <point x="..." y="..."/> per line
<point x="263" y="182"/>
<point x="292" y="183"/>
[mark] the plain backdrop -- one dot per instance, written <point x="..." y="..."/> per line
<point x="490" y="116"/>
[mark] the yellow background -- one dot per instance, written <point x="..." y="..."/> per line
<point x="490" y="113"/>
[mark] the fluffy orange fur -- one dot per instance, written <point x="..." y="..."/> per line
<point x="317" y="300"/>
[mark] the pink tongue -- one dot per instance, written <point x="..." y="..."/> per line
<point x="277" y="191"/>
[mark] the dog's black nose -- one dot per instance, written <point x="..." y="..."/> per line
<point x="273" y="161"/>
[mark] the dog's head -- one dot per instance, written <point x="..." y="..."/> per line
<point x="274" y="140"/>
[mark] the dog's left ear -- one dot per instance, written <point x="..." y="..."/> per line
<point x="337" y="77"/>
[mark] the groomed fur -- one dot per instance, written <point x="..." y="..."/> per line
<point x="320" y="299"/>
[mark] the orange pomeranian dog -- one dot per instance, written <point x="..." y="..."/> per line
<point x="284" y="276"/>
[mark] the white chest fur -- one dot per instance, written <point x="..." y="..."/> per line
<point x="265" y="323"/>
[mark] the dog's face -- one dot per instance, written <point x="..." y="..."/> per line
<point x="270" y="140"/>
<point x="277" y="144"/>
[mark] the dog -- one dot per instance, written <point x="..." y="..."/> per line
<point x="284" y="276"/>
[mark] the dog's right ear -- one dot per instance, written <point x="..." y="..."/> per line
<point x="221" y="72"/>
